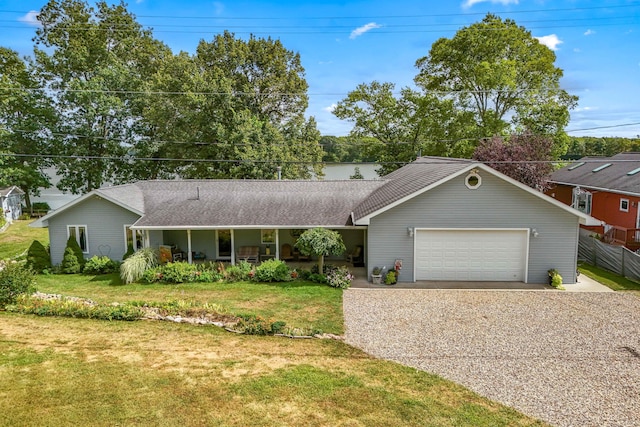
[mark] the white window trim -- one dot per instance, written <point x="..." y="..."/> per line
<point x="621" y="202"/>
<point x="86" y="235"/>
<point x="576" y="193"/>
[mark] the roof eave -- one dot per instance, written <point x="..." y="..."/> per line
<point x="610" y="190"/>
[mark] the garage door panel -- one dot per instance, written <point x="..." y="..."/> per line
<point x="470" y="255"/>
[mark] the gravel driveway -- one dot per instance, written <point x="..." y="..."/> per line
<point x="571" y="359"/>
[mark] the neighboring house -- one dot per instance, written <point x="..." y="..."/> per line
<point x="446" y="219"/>
<point x="607" y="188"/>
<point x="11" y="198"/>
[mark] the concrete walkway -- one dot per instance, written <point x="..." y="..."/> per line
<point x="585" y="284"/>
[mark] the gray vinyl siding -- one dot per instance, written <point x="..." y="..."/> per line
<point x="495" y="204"/>
<point x="105" y="223"/>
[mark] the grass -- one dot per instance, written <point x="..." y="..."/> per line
<point x="18" y="237"/>
<point x="609" y="279"/>
<point x="62" y="371"/>
<point x="65" y="371"/>
<point x="299" y="304"/>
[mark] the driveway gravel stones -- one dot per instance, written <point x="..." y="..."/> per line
<point x="571" y="359"/>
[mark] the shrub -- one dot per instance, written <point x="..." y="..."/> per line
<point x="251" y="324"/>
<point x="133" y="268"/>
<point x="180" y="272"/>
<point x="390" y="278"/>
<point x="129" y="252"/>
<point x="70" y="262"/>
<point x="70" y="308"/>
<point x="318" y="278"/>
<point x="339" y="278"/>
<point x="238" y="272"/>
<point x="73" y="244"/>
<point x="38" y="258"/>
<point x="273" y="270"/>
<point x="100" y="265"/>
<point x="15" y="279"/>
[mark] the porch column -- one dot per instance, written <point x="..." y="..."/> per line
<point x="147" y="241"/>
<point x="277" y="243"/>
<point x="189" y="255"/>
<point x="233" y="247"/>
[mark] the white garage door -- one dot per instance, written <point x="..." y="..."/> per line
<point x="471" y="255"/>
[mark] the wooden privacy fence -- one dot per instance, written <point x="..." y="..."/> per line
<point x="617" y="259"/>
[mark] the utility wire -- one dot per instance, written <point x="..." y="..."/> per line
<point x="440" y="161"/>
<point x="434" y="15"/>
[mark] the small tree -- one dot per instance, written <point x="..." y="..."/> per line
<point x="70" y="262"/>
<point x="320" y="242"/>
<point x="38" y="257"/>
<point x="72" y="244"/>
<point x="356" y="174"/>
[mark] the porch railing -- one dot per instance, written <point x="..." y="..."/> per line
<point x="628" y="237"/>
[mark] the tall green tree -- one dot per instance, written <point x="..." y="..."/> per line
<point x="26" y="121"/>
<point x="502" y="75"/>
<point x="94" y="63"/>
<point x="405" y="125"/>
<point x="237" y="109"/>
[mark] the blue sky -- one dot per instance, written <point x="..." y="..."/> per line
<point x="344" y="43"/>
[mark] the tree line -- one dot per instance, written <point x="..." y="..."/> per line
<point x="103" y="101"/>
<point x="101" y="92"/>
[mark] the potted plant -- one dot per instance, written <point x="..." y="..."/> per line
<point x="376" y="275"/>
<point x="555" y="279"/>
<point x="390" y="278"/>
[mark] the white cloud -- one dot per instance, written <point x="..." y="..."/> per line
<point x="580" y="109"/>
<point x="551" y="41"/>
<point x="31" y="18"/>
<point x="218" y="8"/>
<point x="589" y="32"/>
<point x="467" y="4"/>
<point x="325" y="62"/>
<point x="330" y="108"/>
<point x="577" y="50"/>
<point x="361" y="30"/>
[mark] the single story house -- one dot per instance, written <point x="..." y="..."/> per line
<point x="446" y="219"/>
<point x="607" y="188"/>
<point x="11" y="202"/>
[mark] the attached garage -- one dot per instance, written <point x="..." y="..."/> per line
<point x="471" y="254"/>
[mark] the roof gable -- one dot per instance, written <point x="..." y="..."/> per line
<point x="604" y="173"/>
<point x="8" y="191"/>
<point x="427" y="173"/>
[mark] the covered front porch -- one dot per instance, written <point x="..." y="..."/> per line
<point x="251" y="244"/>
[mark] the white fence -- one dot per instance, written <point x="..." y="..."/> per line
<point x="617" y="259"/>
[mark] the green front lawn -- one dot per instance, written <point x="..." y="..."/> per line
<point x="607" y="278"/>
<point x="63" y="371"/>
<point x="18" y="237"/>
<point x="298" y="304"/>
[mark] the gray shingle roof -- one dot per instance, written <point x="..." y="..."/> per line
<point x="409" y="179"/>
<point x="612" y="178"/>
<point x="4" y="192"/>
<point x="207" y="203"/>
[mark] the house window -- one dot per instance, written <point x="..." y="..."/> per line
<point x="581" y="200"/>
<point x="135" y="238"/>
<point x="80" y="234"/>
<point x="268" y="236"/>
<point x="624" y="205"/>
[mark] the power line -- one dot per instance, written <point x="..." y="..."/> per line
<point x="604" y="127"/>
<point x="434" y="15"/>
<point x="440" y="161"/>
